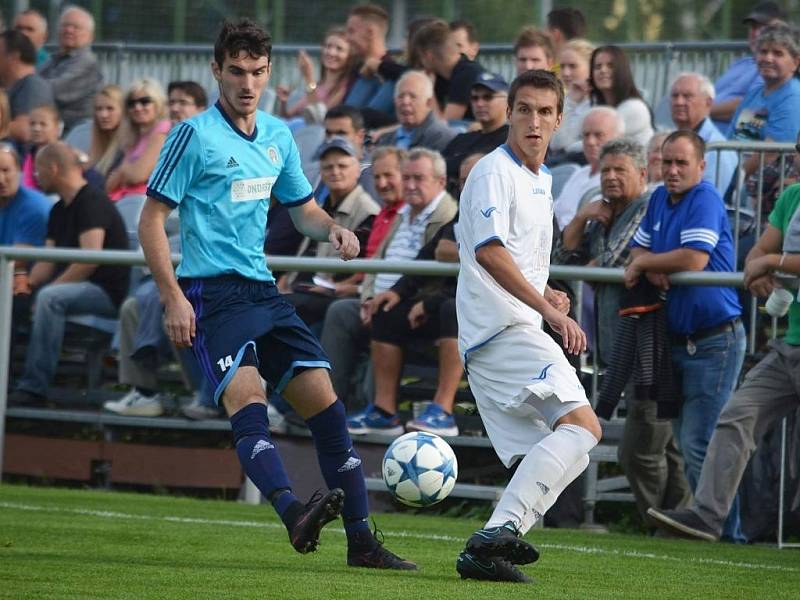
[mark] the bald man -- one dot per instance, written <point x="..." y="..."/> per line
<point x="83" y="218"/>
<point x="419" y="127"/>
<point x="600" y="125"/>
<point x="73" y="70"/>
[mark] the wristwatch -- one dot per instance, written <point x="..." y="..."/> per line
<point x="311" y="86"/>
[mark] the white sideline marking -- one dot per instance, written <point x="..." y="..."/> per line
<point x="404" y="534"/>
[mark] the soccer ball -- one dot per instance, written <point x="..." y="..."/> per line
<point x="420" y="469"/>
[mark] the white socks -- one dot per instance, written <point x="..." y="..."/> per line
<point x="549" y="467"/>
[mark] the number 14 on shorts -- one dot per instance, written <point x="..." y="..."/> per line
<point x="225" y="363"/>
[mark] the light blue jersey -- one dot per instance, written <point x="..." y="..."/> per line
<point x="221" y="180"/>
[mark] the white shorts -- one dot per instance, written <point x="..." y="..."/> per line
<point x="523" y="384"/>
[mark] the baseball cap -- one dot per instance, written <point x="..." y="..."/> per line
<point x="764" y="12"/>
<point x="336" y="143"/>
<point x="492" y="81"/>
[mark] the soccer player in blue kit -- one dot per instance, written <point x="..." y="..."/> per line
<point x="220" y="169"/>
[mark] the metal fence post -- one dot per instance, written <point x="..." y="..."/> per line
<point x="6" y="298"/>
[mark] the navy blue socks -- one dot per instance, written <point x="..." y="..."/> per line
<point x="341" y="467"/>
<point x="262" y="463"/>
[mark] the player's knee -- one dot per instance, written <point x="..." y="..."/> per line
<point x="233" y="404"/>
<point x="585" y="418"/>
<point x="593" y="426"/>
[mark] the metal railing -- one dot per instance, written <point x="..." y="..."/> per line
<point x="654" y="65"/>
<point x="9" y="254"/>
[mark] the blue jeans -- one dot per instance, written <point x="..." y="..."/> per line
<point x="708" y="379"/>
<point x="53" y="304"/>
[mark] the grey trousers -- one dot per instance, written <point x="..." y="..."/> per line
<point x="770" y="391"/>
<point x="132" y="372"/>
<point x="651" y="460"/>
<point x="344" y="338"/>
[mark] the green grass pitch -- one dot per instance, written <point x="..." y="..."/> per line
<point x="64" y="544"/>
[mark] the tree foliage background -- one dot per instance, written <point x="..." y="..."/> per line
<point x="498" y="21"/>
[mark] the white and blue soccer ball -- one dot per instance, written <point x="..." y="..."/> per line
<point x="420" y="469"/>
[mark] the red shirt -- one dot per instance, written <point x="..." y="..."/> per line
<point x="380" y="227"/>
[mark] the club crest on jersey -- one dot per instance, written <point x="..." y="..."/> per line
<point x="272" y="152"/>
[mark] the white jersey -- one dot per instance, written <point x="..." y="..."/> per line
<point x="502" y="200"/>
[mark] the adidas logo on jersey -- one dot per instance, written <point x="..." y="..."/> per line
<point x="232" y="163"/>
<point x="350" y="464"/>
<point x="260" y="446"/>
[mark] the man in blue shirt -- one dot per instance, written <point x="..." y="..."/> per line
<point x="23" y="222"/>
<point x="686" y="229"/>
<point x="220" y="169"/>
<point x="367" y="26"/>
<point x="742" y="75"/>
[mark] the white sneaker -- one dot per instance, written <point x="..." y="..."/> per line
<point x="199" y="411"/>
<point x="277" y="422"/>
<point x="135" y="404"/>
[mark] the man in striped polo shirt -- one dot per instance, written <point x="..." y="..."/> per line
<point x="428" y="207"/>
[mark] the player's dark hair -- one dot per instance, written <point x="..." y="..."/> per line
<point x="348" y="112"/>
<point x="18" y="42"/>
<point x="540" y="79"/>
<point x="569" y="21"/>
<point x="472" y="32"/>
<point x="687" y="134"/>
<point x="242" y="36"/>
<point x="192" y="89"/>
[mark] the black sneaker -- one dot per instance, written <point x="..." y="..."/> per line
<point x="684" y="523"/>
<point x="320" y="510"/>
<point x="503" y="542"/>
<point x="492" y="568"/>
<point x="372" y="554"/>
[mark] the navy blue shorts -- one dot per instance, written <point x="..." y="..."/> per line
<point x="237" y="318"/>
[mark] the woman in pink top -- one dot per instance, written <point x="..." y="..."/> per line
<point x="336" y="76"/>
<point x="143" y="132"/>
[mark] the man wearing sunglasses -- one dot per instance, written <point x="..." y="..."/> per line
<point x="488" y="100"/>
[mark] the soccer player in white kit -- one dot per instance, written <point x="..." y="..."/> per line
<point x="530" y="399"/>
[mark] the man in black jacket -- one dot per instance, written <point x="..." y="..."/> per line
<point x="488" y="98"/>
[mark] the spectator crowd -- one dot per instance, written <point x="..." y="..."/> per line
<point x="387" y="143"/>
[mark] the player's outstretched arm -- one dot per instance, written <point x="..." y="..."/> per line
<point x="501" y="266"/>
<point x="179" y="316"/>
<point x="312" y="221"/>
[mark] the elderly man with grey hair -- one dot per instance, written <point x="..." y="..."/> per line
<point x="428" y="208"/>
<point x="691" y="98"/>
<point x="600" y="125"/>
<point x="599" y="235"/>
<point x="73" y="70"/>
<point x="419" y="127"/>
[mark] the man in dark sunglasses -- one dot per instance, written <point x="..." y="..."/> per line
<point x="488" y="98"/>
